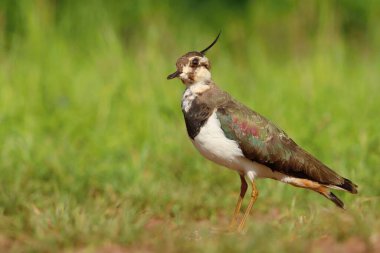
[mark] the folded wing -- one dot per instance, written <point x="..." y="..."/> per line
<point x="261" y="141"/>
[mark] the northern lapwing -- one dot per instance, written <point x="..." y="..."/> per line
<point x="232" y="135"/>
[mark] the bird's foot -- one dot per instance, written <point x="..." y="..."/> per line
<point x="232" y="228"/>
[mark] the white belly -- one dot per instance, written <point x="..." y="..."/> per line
<point x="215" y="146"/>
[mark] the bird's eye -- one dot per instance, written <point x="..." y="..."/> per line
<point x="195" y="62"/>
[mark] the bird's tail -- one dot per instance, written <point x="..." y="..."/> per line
<point x="347" y="185"/>
<point x="339" y="203"/>
<point x="324" y="189"/>
<point x="331" y="196"/>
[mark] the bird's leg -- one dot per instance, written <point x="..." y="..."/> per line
<point x="243" y="190"/>
<point x="254" y="195"/>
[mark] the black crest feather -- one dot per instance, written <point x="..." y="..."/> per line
<point x="211" y="45"/>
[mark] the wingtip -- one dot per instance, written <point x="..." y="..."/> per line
<point x="349" y="186"/>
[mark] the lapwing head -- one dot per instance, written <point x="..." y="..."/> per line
<point x="194" y="67"/>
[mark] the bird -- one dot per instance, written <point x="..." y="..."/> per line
<point x="232" y="135"/>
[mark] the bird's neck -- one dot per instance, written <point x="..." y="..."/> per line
<point x="200" y="87"/>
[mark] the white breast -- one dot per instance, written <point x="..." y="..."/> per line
<point x="215" y="146"/>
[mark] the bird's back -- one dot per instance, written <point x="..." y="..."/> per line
<point x="261" y="141"/>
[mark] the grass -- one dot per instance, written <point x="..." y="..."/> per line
<point x="94" y="152"/>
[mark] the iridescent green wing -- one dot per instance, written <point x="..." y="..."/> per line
<point x="261" y="141"/>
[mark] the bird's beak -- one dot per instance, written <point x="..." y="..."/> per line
<point x="174" y="75"/>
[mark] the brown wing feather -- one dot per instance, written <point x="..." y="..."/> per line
<point x="261" y="141"/>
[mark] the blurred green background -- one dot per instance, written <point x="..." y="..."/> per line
<point x="94" y="151"/>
